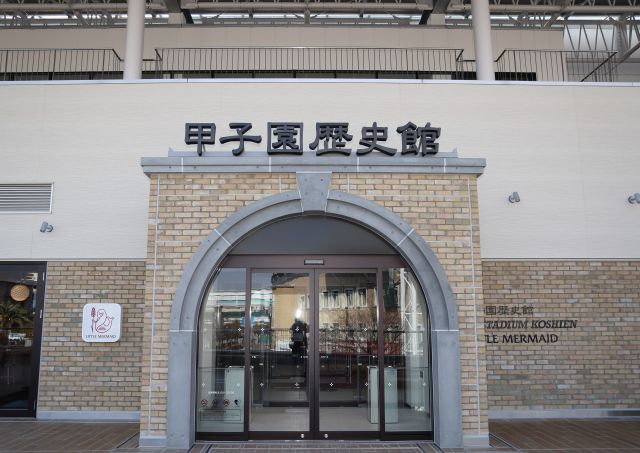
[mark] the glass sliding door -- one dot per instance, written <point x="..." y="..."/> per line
<point x="314" y="353"/>
<point x="347" y="350"/>
<point x="21" y="301"/>
<point x="407" y="387"/>
<point x="280" y="360"/>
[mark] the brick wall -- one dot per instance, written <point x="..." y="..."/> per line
<point x="444" y="211"/>
<point x="79" y="376"/>
<point x="185" y="208"/>
<point x="595" y="360"/>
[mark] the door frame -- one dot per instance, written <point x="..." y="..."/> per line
<point x="318" y="264"/>
<point x="32" y="403"/>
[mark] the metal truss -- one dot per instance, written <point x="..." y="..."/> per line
<point x="452" y="13"/>
<point x="60" y="6"/>
<point x="562" y="8"/>
<point x="621" y="35"/>
<point x="25" y="13"/>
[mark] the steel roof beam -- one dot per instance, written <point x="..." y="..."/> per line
<point x="549" y="9"/>
<point x="301" y="7"/>
<point x="65" y="7"/>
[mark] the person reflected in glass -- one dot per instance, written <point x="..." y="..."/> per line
<point x="298" y="341"/>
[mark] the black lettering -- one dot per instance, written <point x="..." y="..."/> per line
<point x="491" y="338"/>
<point x="502" y="325"/>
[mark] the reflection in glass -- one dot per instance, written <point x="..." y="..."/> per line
<point x="221" y="354"/>
<point x="349" y="383"/>
<point x="18" y="291"/>
<point x="280" y="329"/>
<point x="348" y="352"/>
<point x="406" y="353"/>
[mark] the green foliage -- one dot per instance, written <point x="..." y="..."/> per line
<point x="12" y="313"/>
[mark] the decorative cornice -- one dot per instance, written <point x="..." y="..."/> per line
<point x="263" y="163"/>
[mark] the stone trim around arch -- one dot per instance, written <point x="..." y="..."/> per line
<point x="314" y="197"/>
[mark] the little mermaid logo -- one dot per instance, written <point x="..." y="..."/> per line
<point x="101" y="322"/>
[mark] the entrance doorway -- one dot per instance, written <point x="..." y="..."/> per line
<point x="21" y="304"/>
<point x="314" y="347"/>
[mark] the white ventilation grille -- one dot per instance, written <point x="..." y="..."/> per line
<point x="25" y="197"/>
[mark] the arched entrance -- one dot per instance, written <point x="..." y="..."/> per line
<point x="313" y="328"/>
<point x="314" y="198"/>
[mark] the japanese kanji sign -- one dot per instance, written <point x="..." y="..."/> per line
<point x="329" y="138"/>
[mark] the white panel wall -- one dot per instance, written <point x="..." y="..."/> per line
<point x="200" y="36"/>
<point x="74" y="137"/>
<point x="569" y="150"/>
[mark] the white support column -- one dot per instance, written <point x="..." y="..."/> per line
<point x="135" y="40"/>
<point x="482" y="39"/>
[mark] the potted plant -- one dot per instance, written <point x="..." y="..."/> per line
<point x="12" y="315"/>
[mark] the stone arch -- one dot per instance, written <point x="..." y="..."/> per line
<point x="314" y="197"/>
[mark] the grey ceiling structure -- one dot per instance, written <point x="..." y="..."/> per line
<point x="592" y="25"/>
<point x="532" y="13"/>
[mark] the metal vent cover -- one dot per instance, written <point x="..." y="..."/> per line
<point x="26" y="197"/>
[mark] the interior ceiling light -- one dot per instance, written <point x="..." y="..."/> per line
<point x="20" y="292"/>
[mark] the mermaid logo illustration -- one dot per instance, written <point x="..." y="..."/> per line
<point x="101" y="322"/>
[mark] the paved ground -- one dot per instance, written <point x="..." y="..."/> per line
<point x="518" y="436"/>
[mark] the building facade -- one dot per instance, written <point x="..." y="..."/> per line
<point x="369" y="259"/>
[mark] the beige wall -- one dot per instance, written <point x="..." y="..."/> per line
<point x="567" y="149"/>
<point x="185" y="208"/>
<point x="592" y="364"/>
<point x="91" y="377"/>
<point x="226" y="36"/>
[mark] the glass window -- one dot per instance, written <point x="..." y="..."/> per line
<point x="221" y="354"/>
<point x="406" y="353"/>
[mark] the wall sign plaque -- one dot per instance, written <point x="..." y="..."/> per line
<point x="101" y="323"/>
